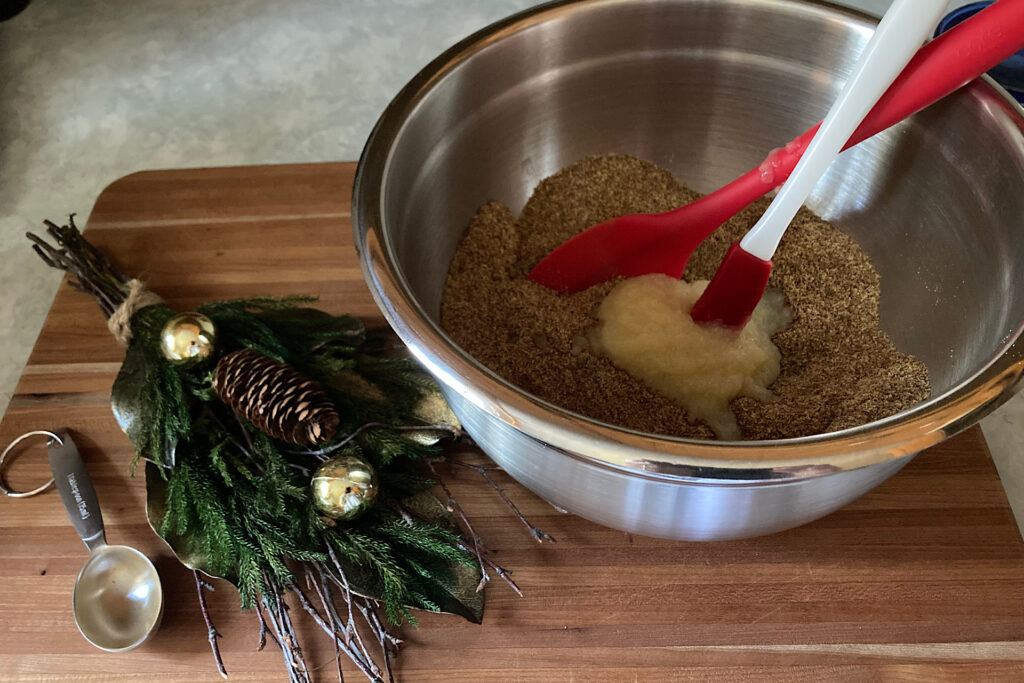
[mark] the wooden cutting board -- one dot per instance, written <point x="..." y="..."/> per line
<point x="922" y="579"/>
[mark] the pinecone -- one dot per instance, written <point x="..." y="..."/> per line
<point x="276" y="398"/>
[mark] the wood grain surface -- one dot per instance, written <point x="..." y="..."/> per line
<point x="920" y="580"/>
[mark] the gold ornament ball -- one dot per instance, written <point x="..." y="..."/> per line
<point x="344" y="487"/>
<point x="187" y="338"/>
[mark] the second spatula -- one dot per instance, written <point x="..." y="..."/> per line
<point x="740" y="280"/>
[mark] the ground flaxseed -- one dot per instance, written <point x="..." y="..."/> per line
<point x="838" y="368"/>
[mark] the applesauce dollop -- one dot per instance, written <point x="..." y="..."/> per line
<point x="645" y="328"/>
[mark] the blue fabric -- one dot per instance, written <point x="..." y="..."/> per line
<point x="1010" y="73"/>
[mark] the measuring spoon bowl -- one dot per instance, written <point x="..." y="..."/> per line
<point x="118" y="599"/>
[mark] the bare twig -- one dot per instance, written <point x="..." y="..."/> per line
<point x="293" y="640"/>
<point x="333" y="622"/>
<point x="346" y="593"/>
<point x="539" y="535"/>
<point x="304" y="471"/>
<point x="248" y="440"/>
<point x="385" y="653"/>
<point x="478" y="545"/>
<point x="454" y="506"/>
<point x="262" y="642"/>
<point x="370" y="614"/>
<point x="354" y="600"/>
<point x="263" y="629"/>
<point x="281" y="624"/>
<point x="247" y="452"/>
<point x="407" y="518"/>
<point x="350" y="633"/>
<point x="289" y="662"/>
<point x="333" y="448"/>
<point x="388" y="643"/>
<point x="499" y="570"/>
<point x="368" y="668"/>
<point x="92" y="271"/>
<point x="211" y="632"/>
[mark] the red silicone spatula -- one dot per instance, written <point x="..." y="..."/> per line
<point x="740" y="281"/>
<point x="662" y="243"/>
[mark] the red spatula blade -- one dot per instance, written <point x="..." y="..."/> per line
<point x="734" y="291"/>
<point x="646" y="244"/>
<point x="633" y="245"/>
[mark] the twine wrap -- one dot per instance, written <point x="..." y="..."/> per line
<point x="120" y="323"/>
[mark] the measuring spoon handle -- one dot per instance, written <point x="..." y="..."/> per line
<point x="76" y="491"/>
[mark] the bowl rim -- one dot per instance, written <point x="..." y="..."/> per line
<point x="606" y="445"/>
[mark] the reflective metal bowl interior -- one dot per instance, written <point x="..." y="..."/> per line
<point x="704" y="89"/>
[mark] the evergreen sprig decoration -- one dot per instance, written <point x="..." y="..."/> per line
<point x="234" y="502"/>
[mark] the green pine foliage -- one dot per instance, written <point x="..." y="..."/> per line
<point x="242" y="499"/>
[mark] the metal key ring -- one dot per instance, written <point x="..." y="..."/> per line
<point x="4" y="488"/>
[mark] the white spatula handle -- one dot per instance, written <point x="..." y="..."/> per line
<point x="899" y="35"/>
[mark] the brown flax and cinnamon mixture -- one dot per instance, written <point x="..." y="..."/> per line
<point x="839" y="369"/>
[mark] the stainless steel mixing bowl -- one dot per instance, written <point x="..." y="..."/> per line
<point x="705" y="88"/>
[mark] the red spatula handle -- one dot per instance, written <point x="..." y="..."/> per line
<point x="942" y="66"/>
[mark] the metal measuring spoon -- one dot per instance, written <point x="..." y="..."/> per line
<point x="118" y="599"/>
